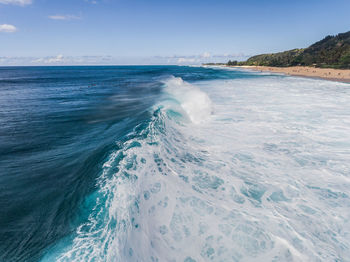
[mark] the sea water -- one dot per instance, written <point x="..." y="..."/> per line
<point x="169" y="163"/>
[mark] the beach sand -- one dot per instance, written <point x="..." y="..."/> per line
<point x="342" y="75"/>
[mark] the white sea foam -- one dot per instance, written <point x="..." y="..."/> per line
<point x="196" y="103"/>
<point x="264" y="178"/>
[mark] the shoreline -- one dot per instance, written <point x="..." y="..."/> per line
<point x="339" y="75"/>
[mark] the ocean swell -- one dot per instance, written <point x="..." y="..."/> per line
<point x="135" y="200"/>
<point x="243" y="182"/>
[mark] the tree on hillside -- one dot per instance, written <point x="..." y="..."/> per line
<point x="232" y="63"/>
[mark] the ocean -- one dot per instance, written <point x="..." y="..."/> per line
<point x="172" y="163"/>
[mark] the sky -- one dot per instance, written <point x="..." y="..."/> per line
<point x="59" y="32"/>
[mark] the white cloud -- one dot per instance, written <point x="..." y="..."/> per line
<point x="182" y="60"/>
<point x="94" y="2"/>
<point x="120" y="60"/>
<point x="206" y="55"/>
<point x="63" y="17"/>
<point x="16" y="2"/>
<point x="39" y="60"/>
<point x="63" y="60"/>
<point x="49" y="60"/>
<point x="56" y="59"/>
<point x="5" y="28"/>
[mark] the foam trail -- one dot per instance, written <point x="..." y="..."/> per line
<point x="264" y="178"/>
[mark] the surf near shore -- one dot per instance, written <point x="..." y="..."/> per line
<point x="341" y="75"/>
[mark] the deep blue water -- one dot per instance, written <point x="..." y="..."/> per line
<point x="58" y="125"/>
<point x="135" y="163"/>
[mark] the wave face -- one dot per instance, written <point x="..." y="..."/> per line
<point x="200" y="164"/>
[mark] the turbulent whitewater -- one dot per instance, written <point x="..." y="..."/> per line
<point x="198" y="164"/>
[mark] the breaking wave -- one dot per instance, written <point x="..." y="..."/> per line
<point x="247" y="174"/>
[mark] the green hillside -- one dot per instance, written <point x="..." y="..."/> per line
<point x="332" y="51"/>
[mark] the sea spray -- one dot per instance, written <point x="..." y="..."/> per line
<point x="194" y="102"/>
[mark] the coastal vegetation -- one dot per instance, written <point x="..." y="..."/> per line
<point x="215" y="64"/>
<point x="330" y="52"/>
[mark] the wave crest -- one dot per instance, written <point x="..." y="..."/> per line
<point x="193" y="101"/>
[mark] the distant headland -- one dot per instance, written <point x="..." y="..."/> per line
<point x="328" y="59"/>
<point x="330" y="52"/>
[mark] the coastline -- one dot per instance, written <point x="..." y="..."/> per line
<point x="339" y="75"/>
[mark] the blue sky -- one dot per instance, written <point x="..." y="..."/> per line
<point x="161" y="32"/>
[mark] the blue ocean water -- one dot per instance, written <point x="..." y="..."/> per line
<point x="171" y="163"/>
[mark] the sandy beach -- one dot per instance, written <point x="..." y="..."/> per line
<point x="342" y="75"/>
